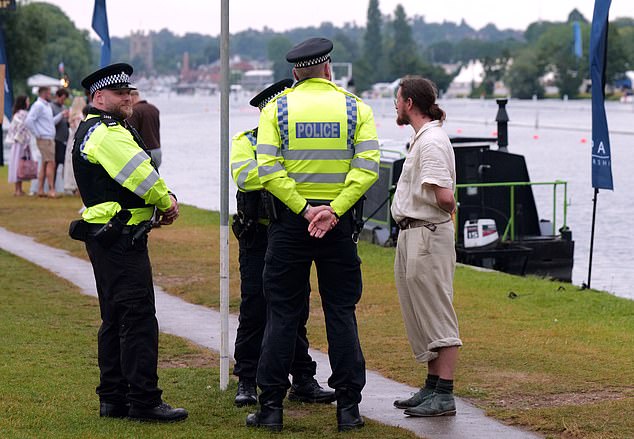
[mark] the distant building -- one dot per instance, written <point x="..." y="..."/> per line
<point x="255" y="80"/>
<point x="141" y="51"/>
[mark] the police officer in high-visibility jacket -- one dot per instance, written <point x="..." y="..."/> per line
<point x="123" y="193"/>
<point x="250" y="226"/>
<point x="318" y="154"/>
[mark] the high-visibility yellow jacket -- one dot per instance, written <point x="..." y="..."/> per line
<point x="244" y="165"/>
<point x="317" y="142"/>
<point x="108" y="145"/>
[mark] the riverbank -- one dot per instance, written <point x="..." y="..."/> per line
<point x="547" y="357"/>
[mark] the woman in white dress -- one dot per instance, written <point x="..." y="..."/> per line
<point x="75" y="116"/>
<point x="20" y="138"/>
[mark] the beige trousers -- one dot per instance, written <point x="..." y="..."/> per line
<point x="424" y="269"/>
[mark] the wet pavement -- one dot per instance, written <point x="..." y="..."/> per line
<point x="201" y="325"/>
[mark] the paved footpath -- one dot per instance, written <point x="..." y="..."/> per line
<point x="201" y="325"/>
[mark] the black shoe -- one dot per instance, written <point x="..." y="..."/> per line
<point x="310" y="391"/>
<point x="268" y="417"/>
<point x="246" y="394"/>
<point x="161" y="413"/>
<point x="348" y="417"/>
<point x="110" y="410"/>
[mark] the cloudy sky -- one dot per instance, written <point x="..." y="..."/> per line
<point x="203" y="16"/>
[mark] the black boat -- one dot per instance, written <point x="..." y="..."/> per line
<point x="493" y="187"/>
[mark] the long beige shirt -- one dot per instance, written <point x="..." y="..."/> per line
<point x="430" y="160"/>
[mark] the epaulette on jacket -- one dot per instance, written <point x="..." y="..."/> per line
<point x="109" y="121"/>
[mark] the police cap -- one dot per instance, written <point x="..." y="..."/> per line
<point x="261" y="99"/>
<point x="113" y="77"/>
<point x="311" y="52"/>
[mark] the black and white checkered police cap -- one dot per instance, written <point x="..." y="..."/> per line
<point x="113" y="77"/>
<point x="265" y="96"/>
<point x="311" y="52"/>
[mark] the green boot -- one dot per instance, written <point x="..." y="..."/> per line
<point x="439" y="404"/>
<point x="417" y="399"/>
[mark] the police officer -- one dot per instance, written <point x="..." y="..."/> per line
<point x="250" y="227"/>
<point x="318" y="154"/>
<point x="121" y="190"/>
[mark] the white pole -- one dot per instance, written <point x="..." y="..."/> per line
<point x="224" y="196"/>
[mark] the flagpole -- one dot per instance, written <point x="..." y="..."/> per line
<point x="224" y="195"/>
<point x="594" y="215"/>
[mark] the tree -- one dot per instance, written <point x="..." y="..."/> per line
<point x="524" y="74"/>
<point x="402" y="56"/>
<point x="39" y="37"/>
<point x="371" y="67"/>
<point x="277" y="48"/>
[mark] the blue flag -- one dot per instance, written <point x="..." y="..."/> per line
<point x="601" y="159"/>
<point x="578" y="45"/>
<point x="8" y="89"/>
<point x="100" y="25"/>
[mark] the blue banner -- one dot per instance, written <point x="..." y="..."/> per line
<point x="8" y="89"/>
<point x="578" y="45"/>
<point x="601" y="159"/>
<point x="100" y="25"/>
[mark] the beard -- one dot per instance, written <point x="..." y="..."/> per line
<point x="120" y="111"/>
<point x="402" y="119"/>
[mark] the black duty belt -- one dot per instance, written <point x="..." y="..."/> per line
<point x="411" y="223"/>
<point x="93" y="228"/>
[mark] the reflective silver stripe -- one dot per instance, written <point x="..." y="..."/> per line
<point x="318" y="178"/>
<point x="268" y="170"/>
<point x="237" y="165"/>
<point x="368" y="145"/>
<point x="370" y="165"/>
<point x="131" y="166"/>
<point x="273" y="150"/>
<point x="147" y="184"/>
<point x="242" y="176"/>
<point x="317" y="154"/>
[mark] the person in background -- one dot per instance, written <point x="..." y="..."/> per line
<point x="250" y="227"/>
<point x="20" y="139"/>
<point x="41" y="123"/>
<point x="145" y="119"/>
<point x="61" y="127"/>
<point x="318" y="153"/>
<point x="75" y="116"/>
<point x="425" y="254"/>
<point x="120" y="188"/>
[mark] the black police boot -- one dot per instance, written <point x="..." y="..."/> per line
<point x="161" y="413"/>
<point x="310" y="391"/>
<point x="269" y="417"/>
<point x="110" y="410"/>
<point x="348" y="417"/>
<point x="246" y="394"/>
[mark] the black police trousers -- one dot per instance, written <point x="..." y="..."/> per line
<point x="252" y="319"/>
<point x="128" y="336"/>
<point x="290" y="254"/>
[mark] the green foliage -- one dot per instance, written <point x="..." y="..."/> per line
<point x="523" y="75"/>
<point x="402" y="51"/>
<point x="277" y="48"/>
<point x="38" y="37"/>
<point x="555" y="46"/>
<point x="494" y="71"/>
<point x="372" y="59"/>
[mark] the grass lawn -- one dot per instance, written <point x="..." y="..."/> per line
<point x="48" y="374"/>
<point x="553" y="359"/>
